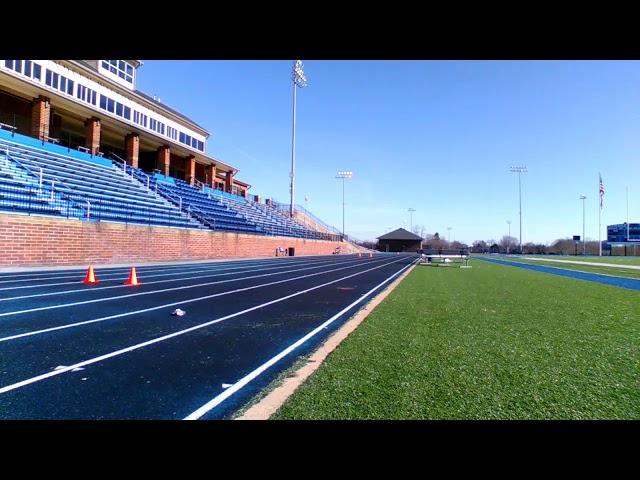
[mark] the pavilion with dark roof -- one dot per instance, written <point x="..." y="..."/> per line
<point x="399" y="240"/>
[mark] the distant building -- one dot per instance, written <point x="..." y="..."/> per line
<point x="620" y="233"/>
<point x="399" y="240"/>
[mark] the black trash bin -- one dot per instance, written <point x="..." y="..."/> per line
<point x="292" y="251"/>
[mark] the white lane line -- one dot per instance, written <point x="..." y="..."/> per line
<point x="148" y="268"/>
<point x="118" y="275"/>
<point x="144" y="277"/>
<point x="173" y="289"/>
<point x="166" y="305"/>
<point x="131" y="348"/>
<point x="217" y="400"/>
<point x="105" y="272"/>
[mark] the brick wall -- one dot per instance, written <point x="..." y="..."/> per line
<point x="132" y="147"/>
<point x="42" y="241"/>
<point x="92" y="134"/>
<point x="40" y="117"/>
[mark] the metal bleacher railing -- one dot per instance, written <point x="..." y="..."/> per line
<point x="146" y="180"/>
<point x="47" y="176"/>
<point x="233" y="212"/>
<point x="34" y="180"/>
<point x="283" y="209"/>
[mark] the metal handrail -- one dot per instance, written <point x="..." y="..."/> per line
<point x="38" y="156"/>
<point x="24" y="167"/>
<point x="134" y="171"/>
<point x="203" y="217"/>
<point x="200" y="184"/>
<point x="117" y="159"/>
<point x="175" y="199"/>
<point x="55" y="180"/>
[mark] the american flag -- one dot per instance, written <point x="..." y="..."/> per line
<point x="601" y="190"/>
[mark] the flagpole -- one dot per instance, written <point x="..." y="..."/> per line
<point x="599" y="231"/>
<point x="600" y="193"/>
<point x="627" y="213"/>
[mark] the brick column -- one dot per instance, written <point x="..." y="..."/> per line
<point x="164" y="157"/>
<point x="40" y="117"/>
<point x="190" y="169"/>
<point x="132" y="146"/>
<point x="228" y="181"/>
<point x="210" y="175"/>
<point x="92" y="141"/>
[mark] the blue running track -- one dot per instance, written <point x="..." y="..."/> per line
<point x="630" y="283"/>
<point x="110" y="351"/>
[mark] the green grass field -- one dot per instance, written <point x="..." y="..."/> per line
<point x="490" y="342"/>
<point x="616" y="271"/>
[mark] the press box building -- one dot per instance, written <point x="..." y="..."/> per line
<point x="94" y="106"/>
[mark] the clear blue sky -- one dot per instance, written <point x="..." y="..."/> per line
<point x="437" y="136"/>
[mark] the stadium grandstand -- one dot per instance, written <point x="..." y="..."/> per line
<point x="79" y="141"/>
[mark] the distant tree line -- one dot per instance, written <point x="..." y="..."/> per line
<point x="561" y="246"/>
<point x="507" y="244"/>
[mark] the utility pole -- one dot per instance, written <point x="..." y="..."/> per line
<point x="411" y="210"/>
<point x="519" y="170"/>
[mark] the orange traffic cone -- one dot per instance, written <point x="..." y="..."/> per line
<point x="91" y="276"/>
<point x="133" y="278"/>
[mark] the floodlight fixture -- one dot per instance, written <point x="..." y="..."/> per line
<point x="299" y="80"/>
<point x="343" y="175"/>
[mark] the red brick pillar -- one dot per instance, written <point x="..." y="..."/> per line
<point x="92" y="141"/>
<point x="164" y="157"/>
<point x="40" y="117"/>
<point x="190" y="169"/>
<point x="210" y="175"/>
<point x="132" y="146"/>
<point x="228" y="182"/>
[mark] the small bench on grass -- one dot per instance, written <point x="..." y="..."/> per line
<point x="444" y="257"/>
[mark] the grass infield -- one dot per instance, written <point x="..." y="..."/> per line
<point x="490" y="342"/>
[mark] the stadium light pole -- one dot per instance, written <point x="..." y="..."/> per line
<point x="449" y="228"/>
<point x="411" y="210"/>
<point x="343" y="175"/>
<point x="519" y="170"/>
<point x="584" y="240"/>
<point x="509" y="237"/>
<point x="299" y="80"/>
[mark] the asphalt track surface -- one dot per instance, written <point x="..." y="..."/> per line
<point x="110" y="351"/>
<point x="622" y="282"/>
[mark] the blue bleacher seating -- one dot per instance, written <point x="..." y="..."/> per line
<point x="76" y="188"/>
<point x="36" y="180"/>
